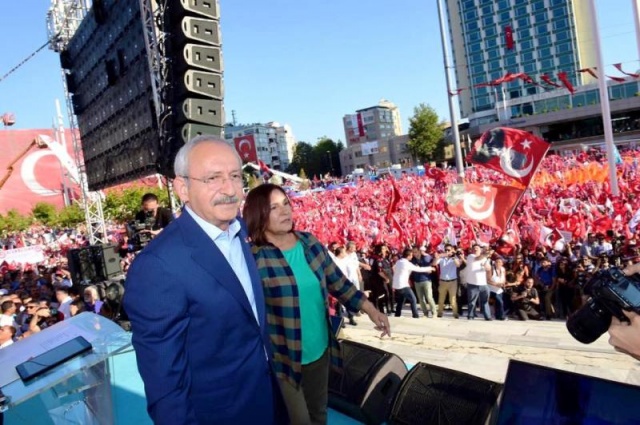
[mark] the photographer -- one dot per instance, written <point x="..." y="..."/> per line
<point x="623" y="336"/>
<point x="151" y="213"/>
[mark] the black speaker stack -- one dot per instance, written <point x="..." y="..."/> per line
<point x="94" y="264"/>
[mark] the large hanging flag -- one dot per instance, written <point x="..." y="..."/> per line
<point x="490" y="204"/>
<point x="515" y="153"/>
<point x="508" y="37"/>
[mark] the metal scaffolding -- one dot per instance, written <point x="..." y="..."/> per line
<point x="63" y="19"/>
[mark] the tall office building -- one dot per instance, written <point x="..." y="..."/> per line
<point x="491" y="38"/>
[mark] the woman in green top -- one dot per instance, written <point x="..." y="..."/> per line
<point x="297" y="276"/>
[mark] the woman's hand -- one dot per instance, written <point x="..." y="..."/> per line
<point x="379" y="319"/>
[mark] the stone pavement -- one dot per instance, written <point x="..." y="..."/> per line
<point x="483" y="348"/>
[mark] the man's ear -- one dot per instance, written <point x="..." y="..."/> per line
<point x="181" y="189"/>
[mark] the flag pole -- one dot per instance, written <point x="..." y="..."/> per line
<point x="636" y="15"/>
<point x="604" y="103"/>
<point x="454" y="122"/>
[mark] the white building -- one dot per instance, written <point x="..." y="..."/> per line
<point x="273" y="142"/>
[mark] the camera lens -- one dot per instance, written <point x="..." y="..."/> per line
<point x="589" y="323"/>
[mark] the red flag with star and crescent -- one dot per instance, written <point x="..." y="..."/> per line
<point x="246" y="147"/>
<point x="512" y="152"/>
<point x="490" y="204"/>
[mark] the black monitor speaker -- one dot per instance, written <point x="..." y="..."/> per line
<point x="366" y="388"/>
<point x="435" y="395"/>
<point x="94" y="264"/>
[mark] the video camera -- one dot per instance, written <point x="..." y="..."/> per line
<point x="138" y="231"/>
<point x="610" y="292"/>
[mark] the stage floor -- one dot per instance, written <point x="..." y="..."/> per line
<point x="477" y="347"/>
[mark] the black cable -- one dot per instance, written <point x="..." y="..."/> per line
<point x="25" y="60"/>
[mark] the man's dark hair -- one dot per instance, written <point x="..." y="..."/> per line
<point x="407" y="252"/>
<point x="256" y="211"/>
<point x="149" y="197"/>
<point x="6" y="306"/>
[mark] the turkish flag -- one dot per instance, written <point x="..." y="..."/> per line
<point x="549" y="237"/>
<point x="434" y="172"/>
<point x="508" y="37"/>
<point x="512" y="152"/>
<point x="246" y="147"/>
<point x="601" y="224"/>
<point x="490" y="204"/>
<point x="396" y="197"/>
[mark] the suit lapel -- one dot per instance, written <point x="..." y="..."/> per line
<point x="207" y="255"/>
<point x="256" y="281"/>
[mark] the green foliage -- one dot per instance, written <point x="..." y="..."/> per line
<point x="302" y="157"/>
<point x="14" y="221"/>
<point x="425" y="132"/>
<point x="317" y="160"/>
<point x="44" y="213"/>
<point x="70" y="216"/>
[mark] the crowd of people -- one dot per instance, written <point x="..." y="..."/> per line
<point x="302" y="257"/>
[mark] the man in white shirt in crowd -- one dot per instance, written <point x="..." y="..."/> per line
<point x="62" y="295"/>
<point x="449" y="261"/>
<point x="7" y="333"/>
<point x="478" y="264"/>
<point x="7" y="318"/>
<point x="352" y="255"/>
<point x="401" y="272"/>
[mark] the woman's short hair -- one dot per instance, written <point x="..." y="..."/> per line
<point x="257" y="207"/>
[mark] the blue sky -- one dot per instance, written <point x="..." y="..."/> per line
<point x="306" y="63"/>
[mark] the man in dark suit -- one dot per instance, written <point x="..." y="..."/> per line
<point x="196" y="305"/>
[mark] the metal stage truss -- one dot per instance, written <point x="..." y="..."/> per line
<point x="63" y="19"/>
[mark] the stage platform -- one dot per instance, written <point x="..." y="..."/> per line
<point x="478" y="347"/>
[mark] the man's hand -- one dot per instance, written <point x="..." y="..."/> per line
<point x="625" y="337"/>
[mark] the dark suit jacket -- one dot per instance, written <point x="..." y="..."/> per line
<point x="201" y="353"/>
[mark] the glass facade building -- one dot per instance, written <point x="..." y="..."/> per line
<point x="545" y="38"/>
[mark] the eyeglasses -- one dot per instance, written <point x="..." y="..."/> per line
<point x="217" y="181"/>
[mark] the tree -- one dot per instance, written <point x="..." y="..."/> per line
<point x="326" y="154"/>
<point x="302" y="156"/>
<point x="426" y="132"/>
<point x="14" y="221"/>
<point x="44" y="213"/>
<point x="70" y="216"/>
